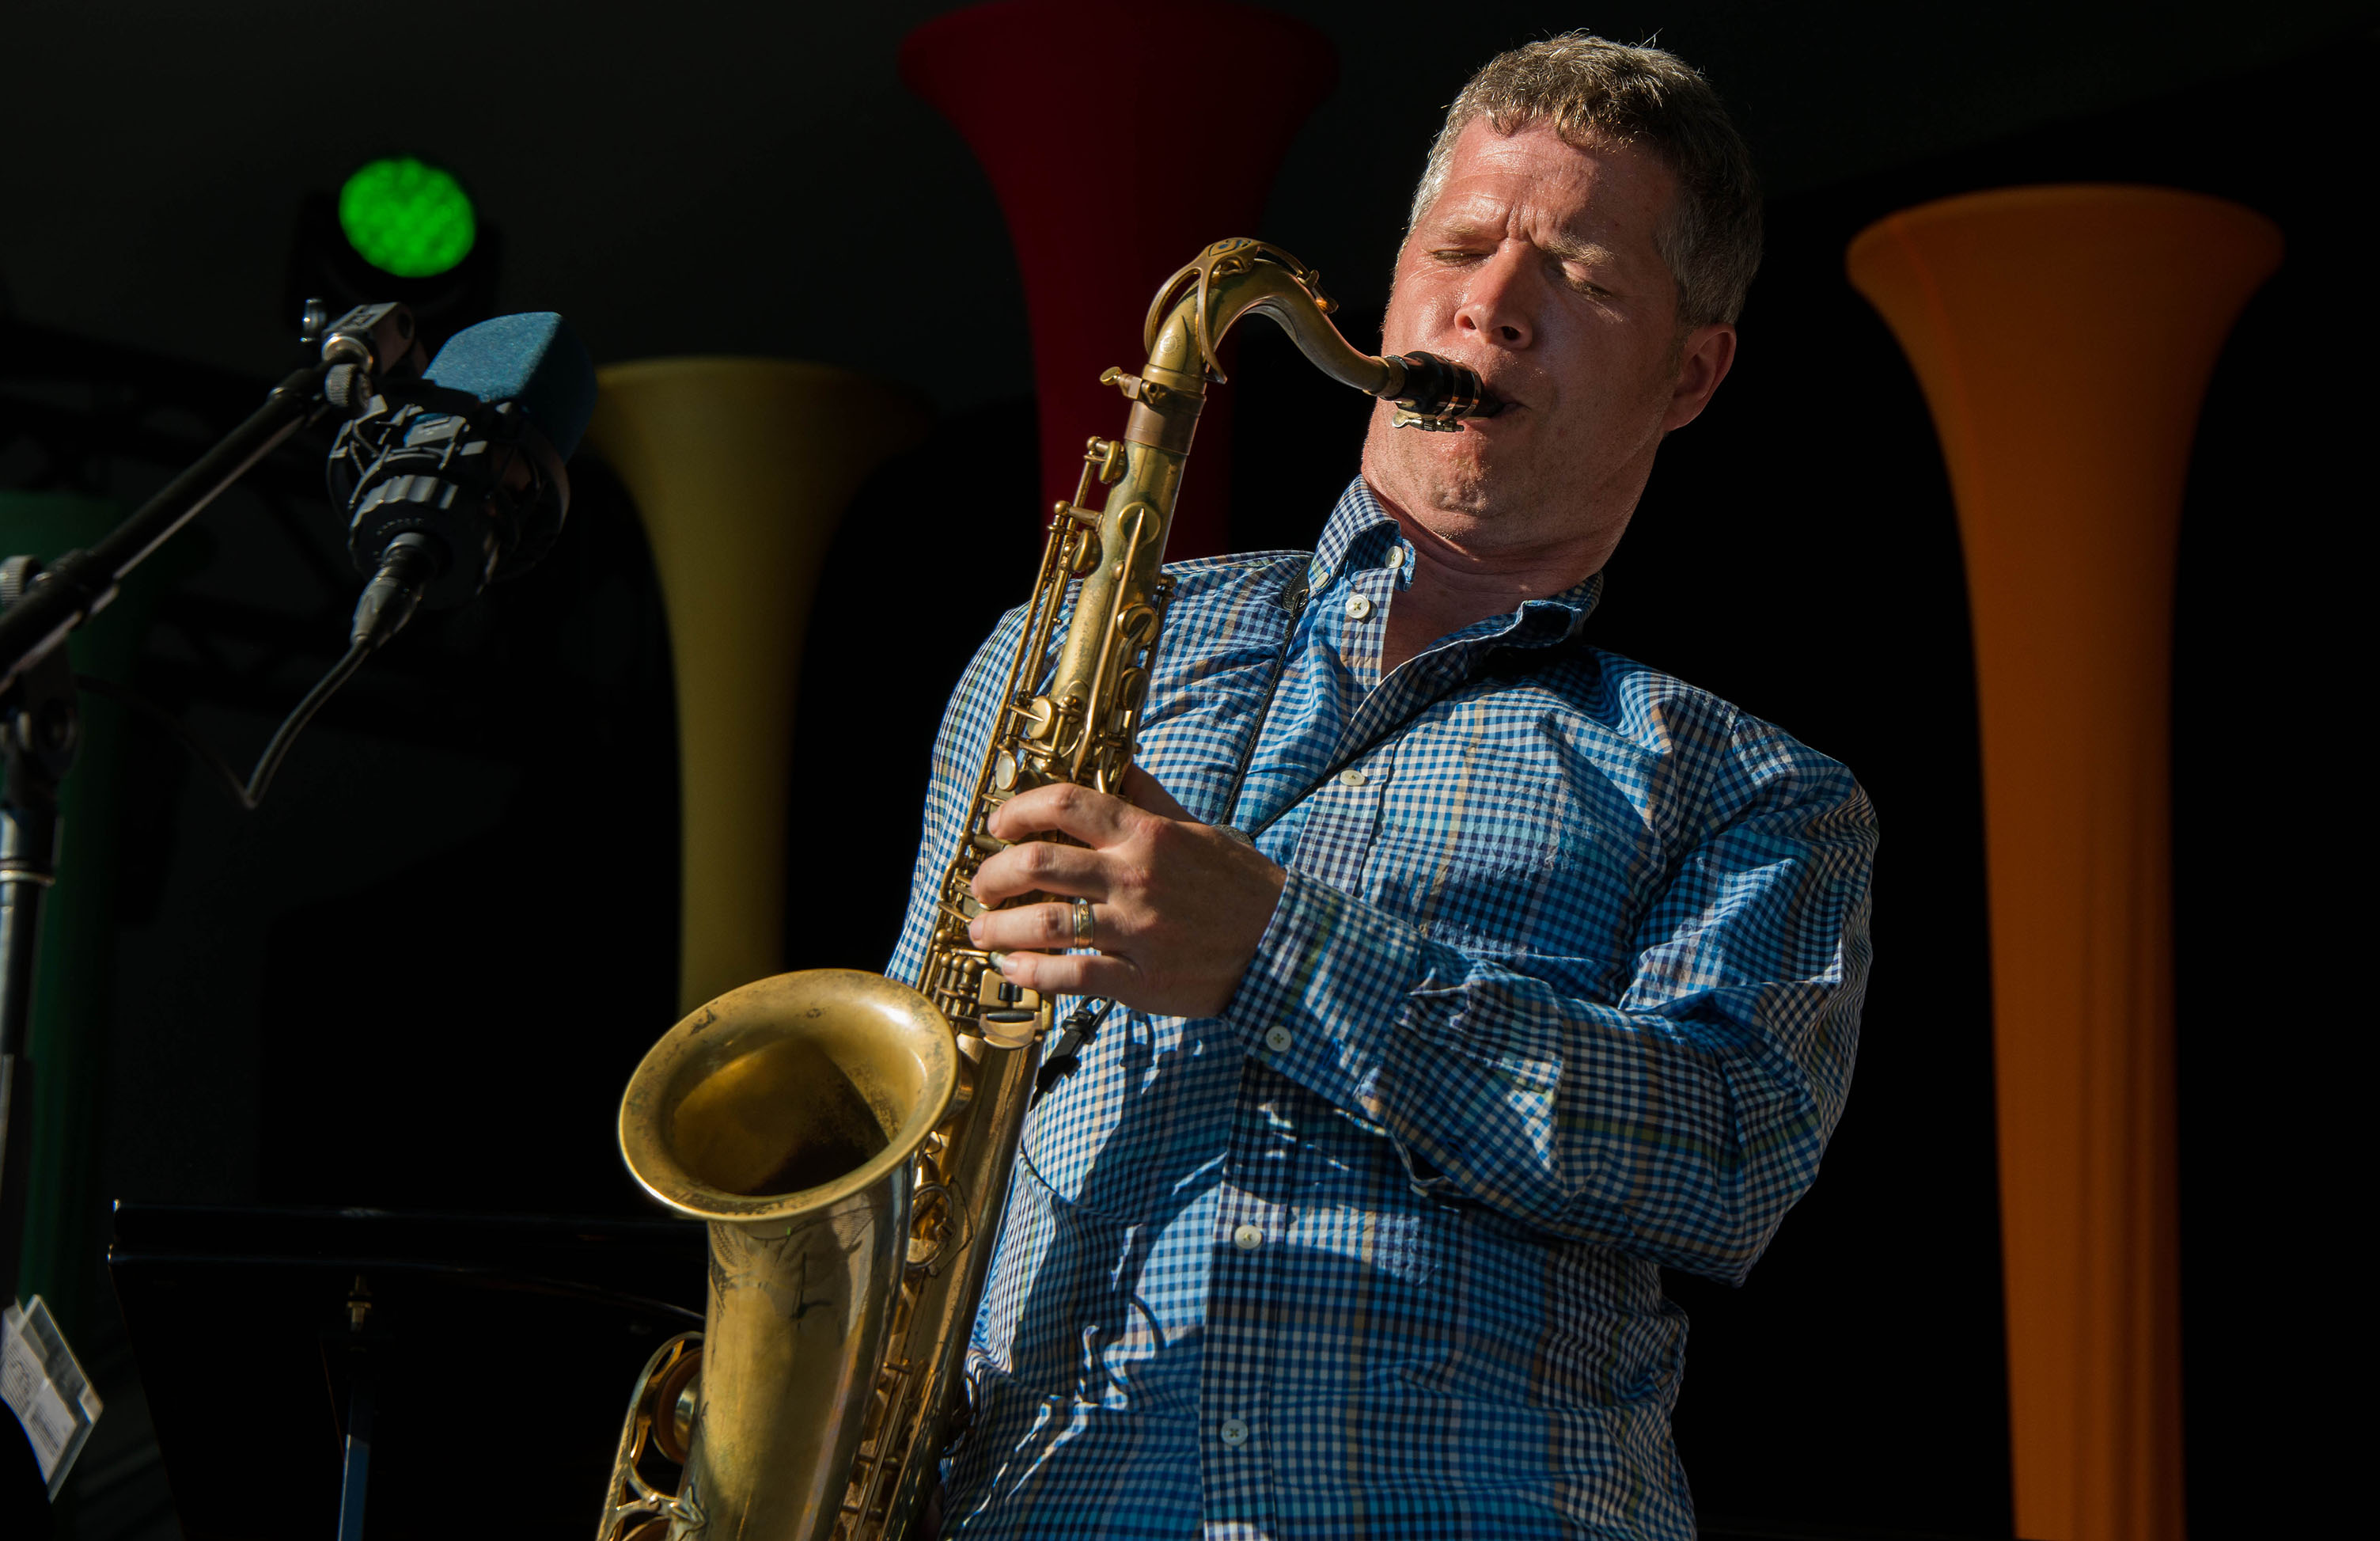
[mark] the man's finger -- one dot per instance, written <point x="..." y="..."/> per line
<point x="1093" y="818"/>
<point x="1031" y="866"/>
<point x="1088" y="973"/>
<point x="1026" y="928"/>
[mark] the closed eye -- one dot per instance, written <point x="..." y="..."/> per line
<point x="1576" y="278"/>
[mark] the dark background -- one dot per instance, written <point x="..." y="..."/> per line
<point x="419" y="977"/>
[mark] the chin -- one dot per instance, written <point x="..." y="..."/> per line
<point x="1453" y="473"/>
<point x="1461" y="481"/>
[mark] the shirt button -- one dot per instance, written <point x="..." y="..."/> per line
<point x="1234" y="1432"/>
<point x="1248" y="1238"/>
<point x="1358" y="607"/>
<point x="1351" y="777"/>
<point x="1396" y="557"/>
<point x="1277" y="1038"/>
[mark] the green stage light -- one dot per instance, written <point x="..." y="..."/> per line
<point x="406" y="217"/>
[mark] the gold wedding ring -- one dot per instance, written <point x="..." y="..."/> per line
<point x="1082" y="922"/>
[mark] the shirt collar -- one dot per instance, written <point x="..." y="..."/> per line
<point x="1350" y="531"/>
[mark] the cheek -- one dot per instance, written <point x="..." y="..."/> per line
<point x="1610" y="382"/>
<point x="1419" y="308"/>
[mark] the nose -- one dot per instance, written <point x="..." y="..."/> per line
<point x="1496" y="307"/>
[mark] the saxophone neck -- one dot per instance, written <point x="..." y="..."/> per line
<point x="1237" y="277"/>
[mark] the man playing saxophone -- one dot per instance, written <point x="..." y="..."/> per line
<point x="1465" y="974"/>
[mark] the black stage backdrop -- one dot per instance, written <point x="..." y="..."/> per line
<point x="463" y="894"/>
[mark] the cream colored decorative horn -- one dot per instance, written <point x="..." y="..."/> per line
<point x="741" y="470"/>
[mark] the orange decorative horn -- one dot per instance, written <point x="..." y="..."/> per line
<point x="2064" y="336"/>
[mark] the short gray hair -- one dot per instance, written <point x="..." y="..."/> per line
<point x="1590" y="90"/>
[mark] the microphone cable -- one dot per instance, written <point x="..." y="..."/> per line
<point x="406" y="567"/>
<point x="247" y="792"/>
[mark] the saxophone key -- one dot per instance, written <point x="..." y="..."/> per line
<point x="1107" y="457"/>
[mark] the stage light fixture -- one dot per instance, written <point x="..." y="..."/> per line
<point x="407" y="217"/>
<point x="402" y="228"/>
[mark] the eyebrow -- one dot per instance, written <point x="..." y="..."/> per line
<point x="1566" y="246"/>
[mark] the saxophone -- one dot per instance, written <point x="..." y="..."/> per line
<point x="850" y="1139"/>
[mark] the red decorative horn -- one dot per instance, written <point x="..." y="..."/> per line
<point x="1120" y="140"/>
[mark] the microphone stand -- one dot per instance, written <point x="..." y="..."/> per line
<point x="41" y="720"/>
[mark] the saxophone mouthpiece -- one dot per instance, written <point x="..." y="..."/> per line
<point x="1436" y="394"/>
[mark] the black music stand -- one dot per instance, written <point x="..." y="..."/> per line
<point x="494" y="1356"/>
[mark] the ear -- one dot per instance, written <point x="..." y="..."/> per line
<point x="1704" y="359"/>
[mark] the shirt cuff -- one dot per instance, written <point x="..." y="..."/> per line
<point x="1330" y="982"/>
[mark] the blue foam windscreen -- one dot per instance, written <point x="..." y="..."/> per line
<point x="534" y="359"/>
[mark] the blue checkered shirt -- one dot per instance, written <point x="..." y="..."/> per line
<point x="1563" y="989"/>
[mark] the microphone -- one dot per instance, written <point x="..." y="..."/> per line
<point x="455" y="479"/>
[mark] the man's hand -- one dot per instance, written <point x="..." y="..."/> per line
<point x="1178" y="905"/>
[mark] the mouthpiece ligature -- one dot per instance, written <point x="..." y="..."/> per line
<point x="1436" y="395"/>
